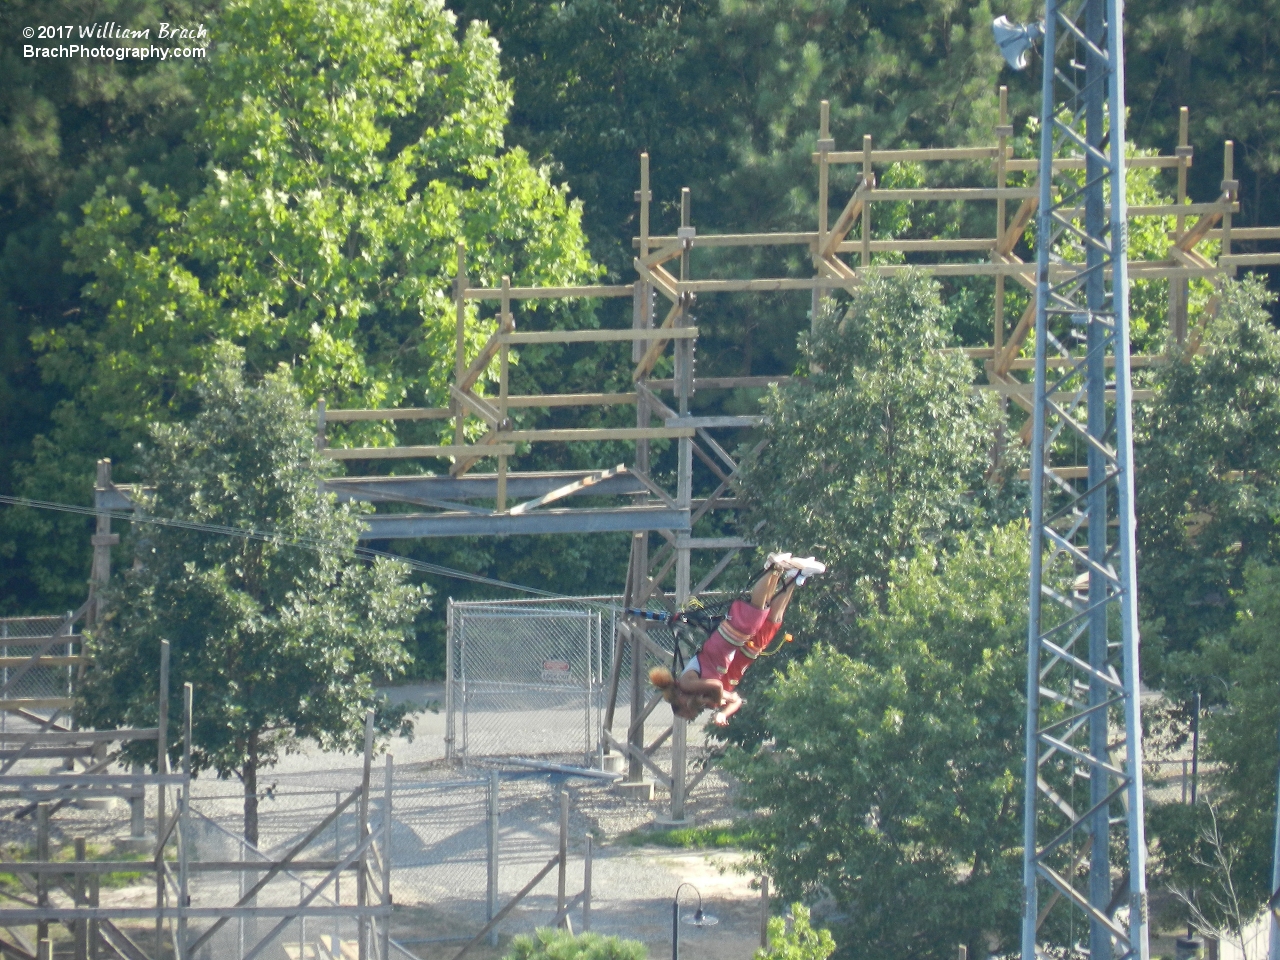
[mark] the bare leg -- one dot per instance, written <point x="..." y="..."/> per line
<point x="778" y="606"/>
<point x="765" y="587"/>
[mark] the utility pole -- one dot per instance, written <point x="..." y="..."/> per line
<point x="1083" y="723"/>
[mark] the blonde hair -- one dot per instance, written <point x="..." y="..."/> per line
<point x="661" y="678"/>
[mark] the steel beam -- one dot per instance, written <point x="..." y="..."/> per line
<point x="1084" y="573"/>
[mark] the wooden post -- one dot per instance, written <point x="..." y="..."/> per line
<point x="362" y="875"/>
<point x="95" y="888"/>
<point x="322" y="440"/>
<point x="1179" y="286"/>
<point x="460" y="340"/>
<point x="42" y="854"/>
<point x="44" y="951"/>
<point x="1003" y="132"/>
<point x="825" y="146"/>
<point x="867" y="177"/>
<point x="162" y="767"/>
<point x="82" y="926"/>
<point x="504" y="362"/>
<point x="562" y="873"/>
<point x="1229" y="186"/>
<point x="102" y="540"/>
<point x="644" y="196"/>
<point x="764" y="913"/>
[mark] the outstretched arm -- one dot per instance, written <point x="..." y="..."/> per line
<point x="692" y="684"/>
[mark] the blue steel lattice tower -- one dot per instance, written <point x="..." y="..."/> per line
<point x="1084" y="885"/>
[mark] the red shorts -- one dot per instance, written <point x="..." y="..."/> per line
<point x="719" y="659"/>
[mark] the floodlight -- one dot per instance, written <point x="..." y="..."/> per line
<point x="1016" y="40"/>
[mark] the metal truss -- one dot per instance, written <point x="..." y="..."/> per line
<point x="1084" y="736"/>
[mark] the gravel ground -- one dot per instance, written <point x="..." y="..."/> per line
<point x="439" y="844"/>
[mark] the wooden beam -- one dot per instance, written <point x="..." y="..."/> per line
<point x="403" y="413"/>
<point x="477" y="405"/>
<point x="852" y="210"/>
<point x="913" y="156"/>
<point x="654" y="352"/>
<point x="571" y="400"/>
<point x="597" y="336"/>
<point x="399" y="453"/>
<point x="487" y="353"/>
<point x="567" y="490"/>
<point x="941" y="194"/>
<point x="592" y="434"/>
<point x="547" y="293"/>
<point x="724" y="383"/>
<point x="738" y="239"/>
<point x="1018" y="226"/>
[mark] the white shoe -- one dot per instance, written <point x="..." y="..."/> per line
<point x="808" y="566"/>
<point x="777" y="560"/>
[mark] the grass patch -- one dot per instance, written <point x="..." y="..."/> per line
<point x="123" y="878"/>
<point x="690" y="838"/>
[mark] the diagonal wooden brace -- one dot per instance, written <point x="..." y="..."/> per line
<point x="848" y="216"/>
<point x="481" y="407"/>
<point x="487" y="353"/>
<point x="651" y="355"/>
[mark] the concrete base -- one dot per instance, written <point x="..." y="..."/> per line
<point x="127" y="844"/>
<point x="612" y="763"/>
<point x="636" y="791"/>
<point x="668" y="824"/>
<point x="97" y="803"/>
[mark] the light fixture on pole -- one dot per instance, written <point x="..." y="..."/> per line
<point x="696" y="919"/>
<point x="1016" y="40"/>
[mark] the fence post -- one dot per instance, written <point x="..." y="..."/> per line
<point x="586" y="889"/>
<point x="564" y="858"/>
<point x="82" y="926"/>
<point x="42" y="853"/>
<point x="386" y="862"/>
<point x="492" y="892"/>
<point x="362" y="874"/>
<point x="449" y="726"/>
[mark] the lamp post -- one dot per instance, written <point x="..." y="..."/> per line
<point x="695" y="919"/>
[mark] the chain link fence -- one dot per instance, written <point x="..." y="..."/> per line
<point x="533" y="678"/>
<point x="40" y="690"/>
<point x="528" y="678"/>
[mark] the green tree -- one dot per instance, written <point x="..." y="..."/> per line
<point x="1219" y="852"/>
<point x="879" y="449"/>
<point x="282" y="643"/>
<point x="801" y="942"/>
<point x="66" y="125"/>
<point x="1208" y="487"/>
<point x="892" y="782"/>
<point x="345" y="147"/>
<point x="1219" y="60"/>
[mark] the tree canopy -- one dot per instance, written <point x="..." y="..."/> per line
<point x="878" y="449"/>
<point x="1207" y="488"/>
<point x="892" y="782"/>
<point x="345" y="146"/>
<point x="281" y="631"/>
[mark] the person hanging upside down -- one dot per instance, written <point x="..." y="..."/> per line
<point x="711" y="678"/>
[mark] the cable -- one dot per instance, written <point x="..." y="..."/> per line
<point x="315" y="544"/>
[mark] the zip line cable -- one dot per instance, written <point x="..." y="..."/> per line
<point x="316" y="544"/>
